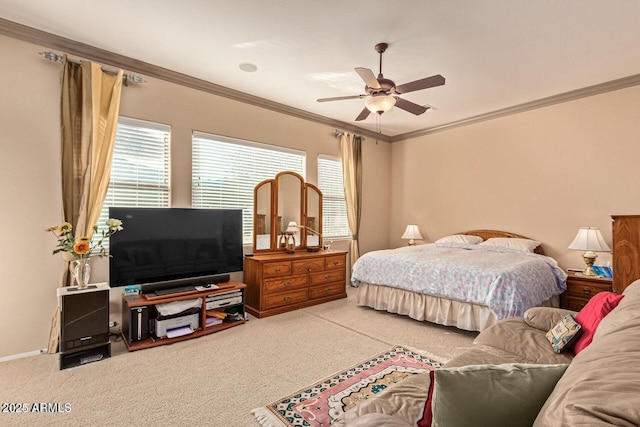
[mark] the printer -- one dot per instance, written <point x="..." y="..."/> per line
<point x="176" y="314"/>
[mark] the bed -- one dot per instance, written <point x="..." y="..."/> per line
<point x="468" y="280"/>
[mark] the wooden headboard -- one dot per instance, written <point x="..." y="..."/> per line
<point x="487" y="234"/>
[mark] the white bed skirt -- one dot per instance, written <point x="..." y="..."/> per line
<point x="443" y="311"/>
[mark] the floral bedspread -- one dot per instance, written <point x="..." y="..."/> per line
<point x="507" y="281"/>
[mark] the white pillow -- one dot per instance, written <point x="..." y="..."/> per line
<point x="460" y="238"/>
<point x="519" y="244"/>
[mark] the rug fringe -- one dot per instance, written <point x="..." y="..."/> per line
<point x="426" y="354"/>
<point x="266" y="418"/>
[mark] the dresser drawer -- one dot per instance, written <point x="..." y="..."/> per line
<point x="326" y="290"/>
<point x="287" y="298"/>
<point x="326" y="277"/>
<point x="281" y="284"/>
<point x="274" y="269"/>
<point x="585" y="289"/>
<point x="308" y="265"/>
<point x="338" y="261"/>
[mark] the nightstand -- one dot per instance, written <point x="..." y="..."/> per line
<point x="581" y="288"/>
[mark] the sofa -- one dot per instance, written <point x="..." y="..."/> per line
<point x="598" y="386"/>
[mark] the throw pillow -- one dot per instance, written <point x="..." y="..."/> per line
<point x="492" y="395"/>
<point x="427" y="414"/>
<point x="590" y="316"/>
<point x="563" y="333"/>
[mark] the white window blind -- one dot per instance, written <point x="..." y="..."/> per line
<point x="334" y="208"/>
<point x="140" y="167"/>
<point x="226" y="171"/>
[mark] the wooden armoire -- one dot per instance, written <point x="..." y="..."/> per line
<point x="626" y="251"/>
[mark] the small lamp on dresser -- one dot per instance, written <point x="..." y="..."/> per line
<point x="590" y="240"/>
<point x="412" y="232"/>
<point x="290" y="239"/>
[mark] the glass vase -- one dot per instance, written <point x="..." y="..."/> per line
<point x="81" y="272"/>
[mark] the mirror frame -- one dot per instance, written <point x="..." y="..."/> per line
<point x="310" y="189"/>
<point x="274" y="231"/>
<point x="270" y="221"/>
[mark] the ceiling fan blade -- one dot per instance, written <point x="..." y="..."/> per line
<point x="340" y="98"/>
<point x="410" y="106"/>
<point x="425" y="83"/>
<point x="363" y="115"/>
<point x="368" y="77"/>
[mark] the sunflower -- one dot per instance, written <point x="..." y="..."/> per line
<point x="81" y="247"/>
<point x="64" y="228"/>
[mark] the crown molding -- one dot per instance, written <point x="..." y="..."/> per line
<point x="72" y="47"/>
<point x="520" y="108"/>
<point x="52" y="41"/>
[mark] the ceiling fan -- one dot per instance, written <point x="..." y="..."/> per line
<point x="382" y="94"/>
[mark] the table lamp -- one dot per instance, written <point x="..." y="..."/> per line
<point x="589" y="239"/>
<point x="290" y="232"/>
<point x="412" y="232"/>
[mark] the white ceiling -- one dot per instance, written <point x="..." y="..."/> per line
<point x="494" y="54"/>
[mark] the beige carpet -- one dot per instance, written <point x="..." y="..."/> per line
<point x="218" y="379"/>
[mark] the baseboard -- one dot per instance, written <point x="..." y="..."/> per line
<point x="21" y="355"/>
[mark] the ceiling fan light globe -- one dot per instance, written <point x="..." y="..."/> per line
<point x="379" y="104"/>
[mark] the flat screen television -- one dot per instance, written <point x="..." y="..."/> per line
<point x="164" y="247"/>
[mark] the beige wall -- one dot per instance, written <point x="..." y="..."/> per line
<point x="30" y="176"/>
<point x="542" y="173"/>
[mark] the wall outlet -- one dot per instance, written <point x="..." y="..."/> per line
<point x="113" y="324"/>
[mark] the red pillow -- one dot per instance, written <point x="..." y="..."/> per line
<point x="427" y="415"/>
<point x="591" y="315"/>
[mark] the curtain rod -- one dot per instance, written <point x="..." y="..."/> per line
<point x="126" y="77"/>
<point x="337" y="133"/>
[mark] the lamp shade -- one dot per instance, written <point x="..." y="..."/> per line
<point x="412" y="232"/>
<point x="589" y="239"/>
<point x="380" y="103"/>
<point x="292" y="227"/>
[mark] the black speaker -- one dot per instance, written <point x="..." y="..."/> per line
<point x="84" y="322"/>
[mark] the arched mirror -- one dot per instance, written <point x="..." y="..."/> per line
<point x="287" y="214"/>
<point x="290" y="195"/>
<point x="262" y="219"/>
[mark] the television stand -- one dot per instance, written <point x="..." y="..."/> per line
<point x="139" y="312"/>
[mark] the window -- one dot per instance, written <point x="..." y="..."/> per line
<point x="334" y="207"/>
<point x="225" y="172"/>
<point x="140" y="167"/>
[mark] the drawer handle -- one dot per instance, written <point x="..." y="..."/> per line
<point x="287" y="283"/>
<point x="327" y="276"/>
<point x="287" y="299"/>
<point x="277" y="269"/>
<point x="309" y="269"/>
<point x="336" y="262"/>
<point x="586" y="291"/>
<point x="327" y="290"/>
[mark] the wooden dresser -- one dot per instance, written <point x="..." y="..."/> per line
<point x="626" y="251"/>
<point x="281" y="282"/>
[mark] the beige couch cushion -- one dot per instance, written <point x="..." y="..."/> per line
<point x="524" y="343"/>
<point x="545" y="318"/>
<point x="602" y="384"/>
<point x="399" y="405"/>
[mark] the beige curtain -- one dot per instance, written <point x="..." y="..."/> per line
<point x="90" y="106"/>
<point x="351" y="150"/>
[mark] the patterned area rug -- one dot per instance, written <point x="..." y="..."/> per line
<point x="320" y="404"/>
